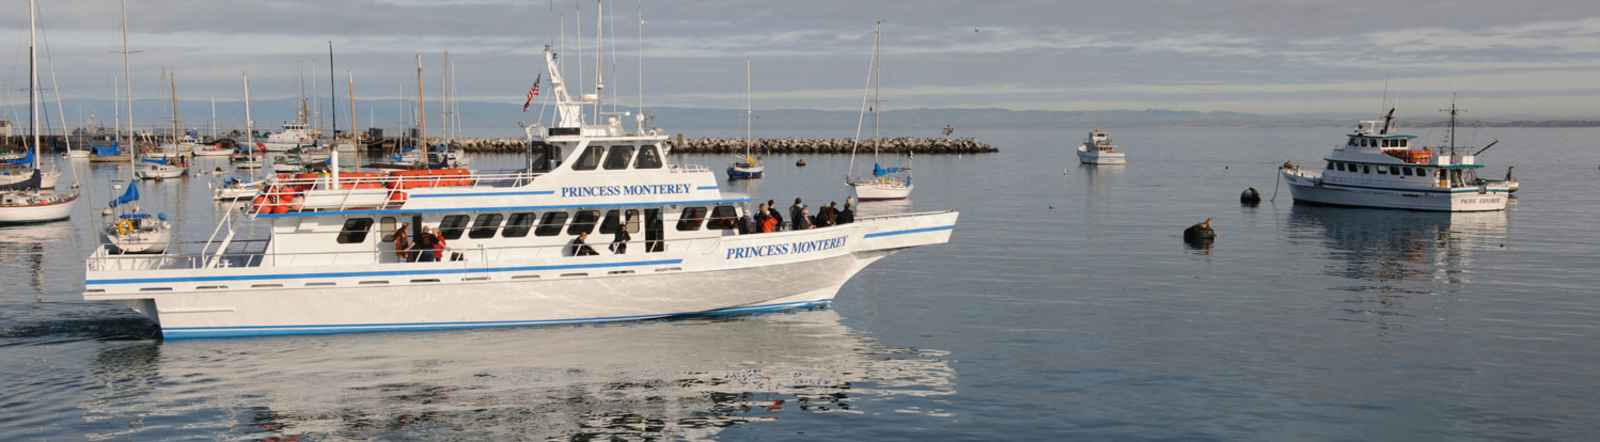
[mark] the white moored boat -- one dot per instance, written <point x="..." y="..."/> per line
<point x="1378" y="168"/>
<point x="511" y="252"/>
<point x="1097" y="148"/>
<point x="30" y="200"/>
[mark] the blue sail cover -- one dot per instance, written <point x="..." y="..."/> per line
<point x="25" y="160"/>
<point x="106" y="150"/>
<point x="156" y="161"/>
<point x="878" y="170"/>
<point x="131" y="195"/>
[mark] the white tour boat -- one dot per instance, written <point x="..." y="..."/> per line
<point x="29" y="200"/>
<point x="1097" y="148"/>
<point x="512" y="250"/>
<point x="1378" y="168"/>
<point x="889" y="183"/>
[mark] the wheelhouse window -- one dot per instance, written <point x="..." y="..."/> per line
<point x="386" y="228"/>
<point x="519" y="225"/>
<point x="452" y="226"/>
<point x="649" y="158"/>
<point x="485" y="226"/>
<point x="551" y="224"/>
<point x="614" y="218"/>
<point x="1382" y="171"/>
<point x="1406" y="171"/>
<point x="619" y="157"/>
<point x="1366" y="168"/>
<point x="355" y="230"/>
<point x="590" y="158"/>
<point x="583" y="222"/>
<point x="1394" y="170"/>
<point x="691" y="218"/>
<point x="1330" y="165"/>
<point x="723" y="218"/>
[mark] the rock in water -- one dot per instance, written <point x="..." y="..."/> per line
<point x="1200" y="235"/>
<point x="1250" y="197"/>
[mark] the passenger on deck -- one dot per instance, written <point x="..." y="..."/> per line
<point x="747" y="224"/>
<point x="848" y="215"/>
<point x="827" y="215"/>
<point x="772" y="211"/>
<point x="761" y="218"/>
<point x="769" y="224"/>
<point x="402" y="244"/>
<point x="619" y="243"/>
<point x="426" y="245"/>
<point x="438" y="244"/>
<point x="797" y="215"/>
<point x="580" y="247"/>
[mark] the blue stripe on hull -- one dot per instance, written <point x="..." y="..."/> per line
<point x="283" y="330"/>
<point x="380" y="273"/>
<point x="908" y="231"/>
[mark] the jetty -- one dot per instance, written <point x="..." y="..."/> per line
<point x="681" y="144"/>
<point x="901" y="145"/>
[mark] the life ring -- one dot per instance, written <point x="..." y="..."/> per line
<point x="124" y="227"/>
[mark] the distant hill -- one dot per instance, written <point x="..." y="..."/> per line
<point x="500" y="119"/>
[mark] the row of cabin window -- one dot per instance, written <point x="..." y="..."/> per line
<point x="518" y="225"/>
<point x="617" y="158"/>
<point x="1382" y="169"/>
<point x="1379" y="142"/>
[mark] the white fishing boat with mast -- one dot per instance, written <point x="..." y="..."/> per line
<point x="212" y="148"/>
<point x="348" y="251"/>
<point x="129" y="229"/>
<point x="748" y="167"/>
<point x="28" y="201"/>
<point x="237" y="188"/>
<point x="1379" y="168"/>
<point x="887" y="183"/>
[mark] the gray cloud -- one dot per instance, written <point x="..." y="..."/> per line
<point x="1241" y="55"/>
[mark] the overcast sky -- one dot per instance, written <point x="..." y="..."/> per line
<point x="1534" y="58"/>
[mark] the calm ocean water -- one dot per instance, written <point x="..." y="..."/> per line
<point x="1066" y="306"/>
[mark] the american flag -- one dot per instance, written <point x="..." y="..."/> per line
<point x="532" y="92"/>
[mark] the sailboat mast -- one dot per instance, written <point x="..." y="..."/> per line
<point x="355" y="129"/>
<point x="133" y="148"/>
<point x="748" y="111"/>
<point x="422" y="113"/>
<point x="213" y="134"/>
<point x="599" y="61"/>
<point x="116" y="105"/>
<point x="33" y="79"/>
<point x="444" y="96"/>
<point x="877" y="36"/>
<point x="173" y="79"/>
<point x="249" y="124"/>
<point x="333" y="100"/>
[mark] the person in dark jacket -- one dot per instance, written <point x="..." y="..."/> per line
<point x="797" y="215"/>
<point x="425" y="245"/>
<point x="619" y="243"/>
<point x="772" y="211"/>
<point x="580" y="247"/>
<point x="848" y="215"/>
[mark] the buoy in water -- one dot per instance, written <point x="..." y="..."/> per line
<point x="800" y="162"/>
<point x="1200" y="235"/>
<point x="1250" y="197"/>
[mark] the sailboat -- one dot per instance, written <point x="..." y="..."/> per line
<point x="171" y="164"/>
<point x="749" y="167"/>
<point x="132" y="230"/>
<point x="885" y="183"/>
<point x="234" y="188"/>
<point x="29" y="201"/>
<point x="214" y="149"/>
